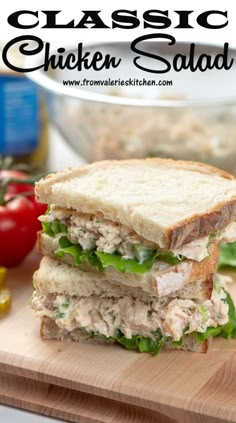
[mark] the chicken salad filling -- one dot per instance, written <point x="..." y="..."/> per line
<point x="172" y="318"/>
<point x="105" y="243"/>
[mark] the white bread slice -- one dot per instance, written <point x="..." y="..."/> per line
<point x="49" y="330"/>
<point x="167" y="202"/>
<point x="57" y="277"/>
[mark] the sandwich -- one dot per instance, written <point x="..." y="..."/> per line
<point x="131" y="252"/>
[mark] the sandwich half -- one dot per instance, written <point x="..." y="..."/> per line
<point x="83" y="306"/>
<point x="131" y="252"/>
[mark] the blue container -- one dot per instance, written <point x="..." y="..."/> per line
<point x="19" y="115"/>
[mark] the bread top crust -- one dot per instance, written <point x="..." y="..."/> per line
<point x="165" y="201"/>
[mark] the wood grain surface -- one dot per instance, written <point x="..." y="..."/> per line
<point x="96" y="383"/>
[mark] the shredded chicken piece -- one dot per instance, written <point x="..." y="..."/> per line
<point x="195" y="250"/>
<point x="229" y="233"/>
<point x="90" y="231"/>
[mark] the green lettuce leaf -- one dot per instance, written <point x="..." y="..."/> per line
<point x="227" y="254"/>
<point x="169" y="257"/>
<point x="53" y="228"/>
<point x="128" y="343"/>
<point x="176" y="344"/>
<point x="103" y="260"/>
<point x="94" y="261"/>
<point x="75" y="250"/>
<point x="59" y="315"/>
<point x="125" y="265"/>
<point x="229" y="329"/>
<point x="208" y="334"/>
<point x="47" y="228"/>
<point x="149" y="345"/>
<point x="141" y="343"/>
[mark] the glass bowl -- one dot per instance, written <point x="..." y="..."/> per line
<point x="192" y="117"/>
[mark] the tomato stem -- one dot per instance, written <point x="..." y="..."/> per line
<point x="3" y="191"/>
<point x="22" y="194"/>
<point x="30" y="181"/>
<point x="4" y="182"/>
<point x="5" y="162"/>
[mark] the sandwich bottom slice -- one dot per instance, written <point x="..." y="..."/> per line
<point x="50" y="330"/>
<point x="71" y="308"/>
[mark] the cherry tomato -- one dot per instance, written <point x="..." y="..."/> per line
<point x="18" y="188"/>
<point x="40" y="209"/>
<point x="18" y="228"/>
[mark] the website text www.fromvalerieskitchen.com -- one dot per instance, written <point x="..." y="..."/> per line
<point x="116" y="82"/>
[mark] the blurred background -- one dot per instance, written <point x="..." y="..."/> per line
<point x="64" y="117"/>
<point x="53" y="119"/>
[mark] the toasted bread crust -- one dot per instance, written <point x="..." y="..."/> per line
<point x="208" y="266"/>
<point x="186" y="230"/>
<point x="202" y="225"/>
<point x="49" y="330"/>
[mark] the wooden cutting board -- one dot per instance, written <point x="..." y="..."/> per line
<point x="94" y="383"/>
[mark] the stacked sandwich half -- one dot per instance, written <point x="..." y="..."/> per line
<point x="130" y="254"/>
